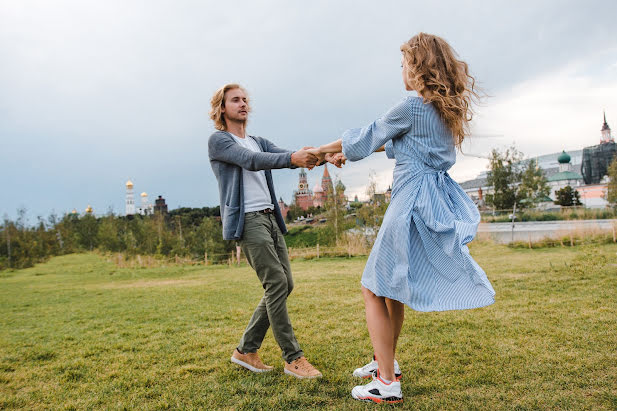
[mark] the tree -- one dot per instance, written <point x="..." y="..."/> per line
<point x="612" y="183"/>
<point x="87" y="229"/>
<point x="335" y="214"/>
<point x="107" y="234"/>
<point x="534" y="185"/>
<point x="294" y="212"/>
<point x="567" y="197"/>
<point x="504" y="175"/>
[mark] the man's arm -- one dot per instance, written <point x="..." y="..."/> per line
<point x="222" y="148"/>
<point x="272" y="148"/>
<point x="300" y="158"/>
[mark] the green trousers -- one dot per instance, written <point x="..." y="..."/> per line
<point x="265" y="249"/>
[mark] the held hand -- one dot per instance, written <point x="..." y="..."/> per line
<point x="337" y="159"/>
<point x="317" y="153"/>
<point x="304" y="158"/>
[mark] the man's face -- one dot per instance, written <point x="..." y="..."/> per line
<point x="236" y="108"/>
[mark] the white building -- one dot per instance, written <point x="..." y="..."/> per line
<point x="130" y="200"/>
<point x="145" y="207"/>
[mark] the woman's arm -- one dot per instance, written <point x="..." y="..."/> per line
<point x="337" y="146"/>
<point x="361" y="142"/>
<point x="333" y="147"/>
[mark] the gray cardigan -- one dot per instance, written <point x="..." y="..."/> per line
<point x="227" y="159"/>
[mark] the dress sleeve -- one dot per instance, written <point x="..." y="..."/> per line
<point x="389" y="149"/>
<point x="362" y="142"/>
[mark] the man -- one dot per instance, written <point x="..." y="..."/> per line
<point x="250" y="214"/>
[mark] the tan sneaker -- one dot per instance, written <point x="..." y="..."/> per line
<point x="301" y="368"/>
<point x="250" y="361"/>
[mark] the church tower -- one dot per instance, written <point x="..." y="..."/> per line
<point x="326" y="184"/>
<point x="130" y="200"/>
<point x="303" y="197"/>
<point x="606" y="132"/>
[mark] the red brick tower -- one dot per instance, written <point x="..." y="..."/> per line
<point x="303" y="196"/>
<point x="326" y="185"/>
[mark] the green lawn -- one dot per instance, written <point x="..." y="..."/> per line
<point x="78" y="332"/>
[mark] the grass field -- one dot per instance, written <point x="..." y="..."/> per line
<point x="78" y="332"/>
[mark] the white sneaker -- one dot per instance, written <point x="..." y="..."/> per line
<point x="378" y="391"/>
<point x="369" y="369"/>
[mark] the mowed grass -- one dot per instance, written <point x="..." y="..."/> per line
<point x="80" y="333"/>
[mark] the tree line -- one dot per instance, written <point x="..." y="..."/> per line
<point x="185" y="232"/>
<point x="197" y="232"/>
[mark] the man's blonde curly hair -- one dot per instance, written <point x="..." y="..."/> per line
<point x="434" y="71"/>
<point x="218" y="102"/>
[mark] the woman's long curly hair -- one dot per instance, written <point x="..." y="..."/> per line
<point x="434" y="71"/>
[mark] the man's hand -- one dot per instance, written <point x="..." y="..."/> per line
<point x="320" y="156"/>
<point x="304" y="158"/>
<point x="337" y="159"/>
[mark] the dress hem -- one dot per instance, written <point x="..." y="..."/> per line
<point x="466" y="307"/>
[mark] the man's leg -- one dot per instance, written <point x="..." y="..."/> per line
<point x="256" y="329"/>
<point x="258" y="244"/>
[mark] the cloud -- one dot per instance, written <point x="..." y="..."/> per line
<point x="92" y="94"/>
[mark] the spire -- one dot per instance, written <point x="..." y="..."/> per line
<point x="605" y="125"/>
<point x="325" y="171"/>
<point x="606" y="132"/>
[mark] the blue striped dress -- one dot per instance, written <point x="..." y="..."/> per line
<point x="420" y="256"/>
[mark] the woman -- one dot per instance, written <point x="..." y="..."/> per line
<point x="420" y="257"/>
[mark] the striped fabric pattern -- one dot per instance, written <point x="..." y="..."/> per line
<point x="420" y="257"/>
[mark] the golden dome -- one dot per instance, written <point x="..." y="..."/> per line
<point x="74" y="211"/>
<point x="144" y="194"/>
<point x="129" y="184"/>
<point x="89" y="209"/>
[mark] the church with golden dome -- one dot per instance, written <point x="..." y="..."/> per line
<point x="145" y="207"/>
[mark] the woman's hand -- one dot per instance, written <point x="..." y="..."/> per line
<point x="336" y="159"/>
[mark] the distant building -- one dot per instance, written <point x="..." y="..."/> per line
<point x="130" y="200"/>
<point x="388" y="194"/>
<point x="340" y="192"/>
<point x="584" y="170"/>
<point x="319" y="197"/>
<point x="326" y="184"/>
<point x="302" y="196"/>
<point x="565" y="177"/>
<point x="145" y="208"/>
<point x="321" y="193"/>
<point x="596" y="159"/>
<point x="159" y="206"/>
<point x="284" y="208"/>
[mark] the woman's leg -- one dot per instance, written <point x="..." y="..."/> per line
<point x="396" y="310"/>
<point x="381" y="332"/>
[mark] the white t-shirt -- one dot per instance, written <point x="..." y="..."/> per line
<point x="256" y="193"/>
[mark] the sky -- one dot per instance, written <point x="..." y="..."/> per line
<point x="95" y="93"/>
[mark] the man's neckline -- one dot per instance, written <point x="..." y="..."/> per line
<point x="241" y="138"/>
